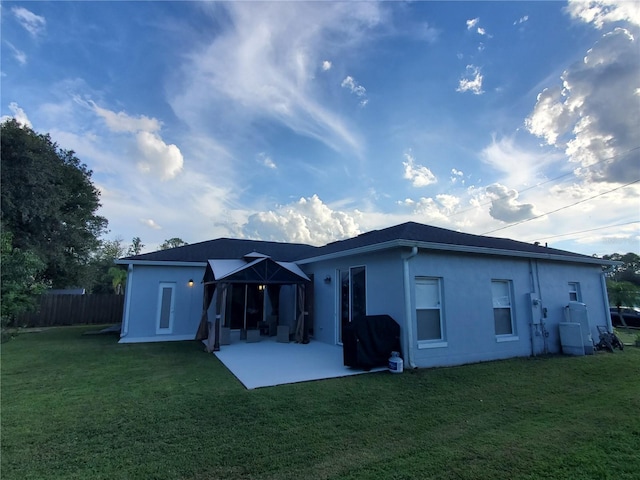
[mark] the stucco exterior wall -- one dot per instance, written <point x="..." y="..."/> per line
<point x="467" y="303"/>
<point x="140" y="315"/>
<point x="467" y="308"/>
<point x="554" y="281"/>
<point x="468" y="325"/>
<point x="383" y="283"/>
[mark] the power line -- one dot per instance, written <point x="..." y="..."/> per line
<point x="590" y="230"/>
<point x="545" y="182"/>
<point x="561" y="208"/>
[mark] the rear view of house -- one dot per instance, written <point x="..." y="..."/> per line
<point x="458" y="298"/>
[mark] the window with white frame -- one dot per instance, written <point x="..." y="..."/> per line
<point x="574" y="292"/>
<point x="429" y="310"/>
<point x="502" y="307"/>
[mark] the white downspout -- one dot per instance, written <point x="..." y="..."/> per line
<point x="543" y="326"/>
<point x="407" y="304"/>
<point x="607" y="306"/>
<point x="532" y="327"/>
<point x="125" y="316"/>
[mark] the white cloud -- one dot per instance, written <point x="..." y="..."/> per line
<point x="419" y="175"/>
<point x="599" y="12"/>
<point x="352" y="85"/>
<point x="308" y="220"/>
<point x="19" y="55"/>
<point x="32" y="23"/>
<point x="18" y="114"/>
<point x="266" y="160"/>
<point x="433" y="211"/>
<point x="505" y="207"/>
<point x="149" y="222"/>
<point x="157" y="157"/>
<point x="518" y="166"/>
<point x="449" y="202"/>
<point x="263" y="67"/>
<point x="355" y="88"/>
<point x="594" y="116"/>
<point x="122" y="122"/>
<point x="474" y="23"/>
<point x="521" y="20"/>
<point x="326" y="65"/>
<point x="456" y="175"/>
<point x="472" y="82"/>
<point x="153" y="155"/>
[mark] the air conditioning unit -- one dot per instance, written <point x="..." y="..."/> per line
<point x="576" y="312"/>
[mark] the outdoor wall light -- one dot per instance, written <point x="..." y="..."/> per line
<point x="260" y="287"/>
<point x="327" y="279"/>
<point x="190" y="282"/>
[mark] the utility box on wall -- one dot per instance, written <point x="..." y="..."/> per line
<point x="536" y="308"/>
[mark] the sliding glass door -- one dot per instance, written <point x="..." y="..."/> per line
<point x="352" y="294"/>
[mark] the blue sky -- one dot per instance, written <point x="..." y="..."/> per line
<point x="316" y="121"/>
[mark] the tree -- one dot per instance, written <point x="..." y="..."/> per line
<point x="629" y="271"/>
<point x="19" y="281"/>
<point x="136" y="247"/>
<point x="623" y="294"/>
<point x="102" y="263"/>
<point x="118" y="279"/>
<point x="173" y="243"/>
<point x="49" y="204"/>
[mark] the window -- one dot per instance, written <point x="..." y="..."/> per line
<point x="428" y="310"/>
<point x="358" y="288"/>
<point x="574" y="292"/>
<point x="165" y="308"/>
<point x="502" y="311"/>
<point x="353" y="296"/>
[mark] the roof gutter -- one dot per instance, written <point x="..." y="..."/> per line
<point x="157" y="263"/>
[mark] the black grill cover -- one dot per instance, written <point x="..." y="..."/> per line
<point x="368" y="341"/>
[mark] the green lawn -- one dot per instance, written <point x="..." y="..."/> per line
<point x="84" y="407"/>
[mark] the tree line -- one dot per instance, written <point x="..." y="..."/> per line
<point x="623" y="281"/>
<point x="51" y="234"/>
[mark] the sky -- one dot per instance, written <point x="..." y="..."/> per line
<point x="313" y="122"/>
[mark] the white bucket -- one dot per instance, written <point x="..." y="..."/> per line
<point x="396" y="365"/>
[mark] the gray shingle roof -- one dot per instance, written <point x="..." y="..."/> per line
<point x="223" y="248"/>
<point x="418" y="232"/>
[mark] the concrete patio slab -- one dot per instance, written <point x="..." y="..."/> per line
<point x="267" y="363"/>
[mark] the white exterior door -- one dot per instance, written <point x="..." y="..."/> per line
<point x="166" y="305"/>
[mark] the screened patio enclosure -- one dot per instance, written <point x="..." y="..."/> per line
<point x="247" y="294"/>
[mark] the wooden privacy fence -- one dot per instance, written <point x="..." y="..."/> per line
<point x="54" y="310"/>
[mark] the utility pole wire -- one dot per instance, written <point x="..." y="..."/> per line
<point x="590" y="230"/>
<point x="613" y="157"/>
<point x="561" y="208"/>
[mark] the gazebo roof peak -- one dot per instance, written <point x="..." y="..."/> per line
<point x="255" y="255"/>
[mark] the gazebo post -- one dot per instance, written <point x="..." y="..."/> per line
<point x="216" y="325"/>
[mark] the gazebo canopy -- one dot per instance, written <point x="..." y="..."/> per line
<point x="254" y="268"/>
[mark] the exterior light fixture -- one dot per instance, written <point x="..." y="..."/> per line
<point x="190" y="282"/>
<point x="327" y="279"/>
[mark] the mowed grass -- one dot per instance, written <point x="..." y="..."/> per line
<point x="84" y="407"/>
